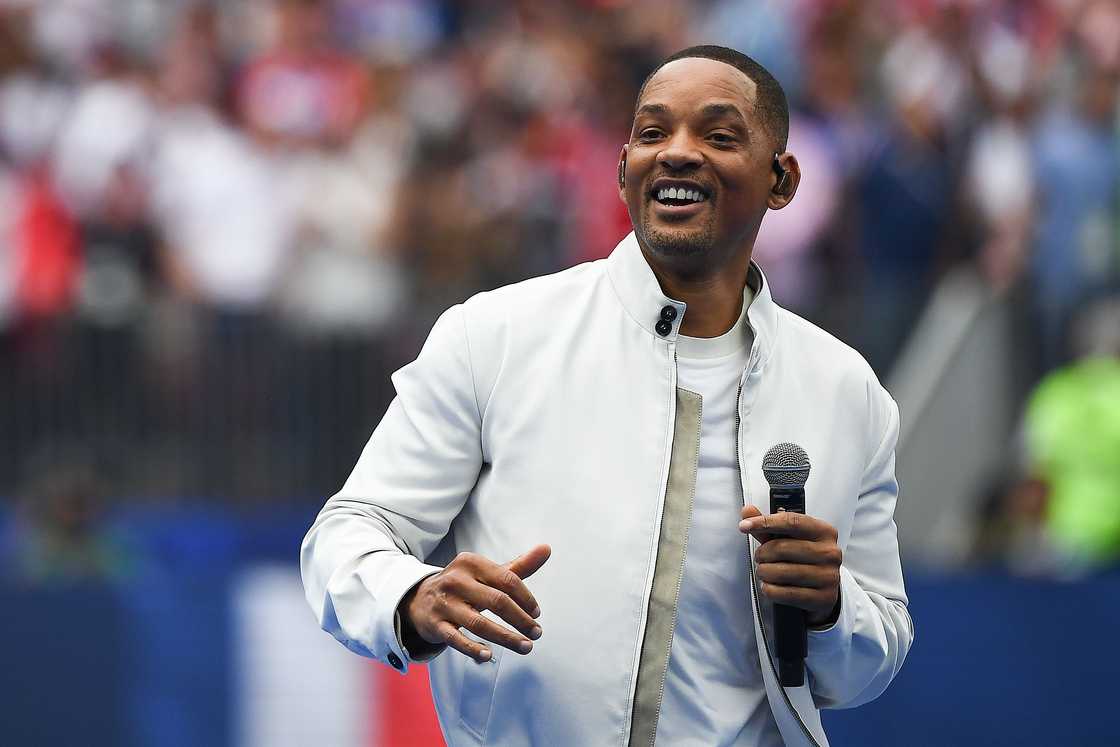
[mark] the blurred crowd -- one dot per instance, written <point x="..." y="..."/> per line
<point x="214" y="212"/>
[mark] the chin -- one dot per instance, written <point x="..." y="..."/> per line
<point x="692" y="243"/>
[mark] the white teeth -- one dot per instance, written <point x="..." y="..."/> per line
<point x="672" y="193"/>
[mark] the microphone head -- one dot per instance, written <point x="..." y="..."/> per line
<point x="786" y="465"/>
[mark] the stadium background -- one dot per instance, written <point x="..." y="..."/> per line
<point x="223" y="224"/>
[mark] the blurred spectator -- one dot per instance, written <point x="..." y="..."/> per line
<point x="1077" y="149"/>
<point x="343" y="275"/>
<point x="121" y="269"/>
<point x="1073" y="440"/>
<point x="45" y="250"/>
<point x="906" y="191"/>
<point x="61" y="536"/>
<point x="301" y="89"/>
<point x="108" y="125"/>
<point x="1063" y="516"/>
<point x="223" y="210"/>
<point x="999" y="175"/>
<point x="390" y="31"/>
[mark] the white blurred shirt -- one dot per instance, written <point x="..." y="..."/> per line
<point x="223" y="206"/>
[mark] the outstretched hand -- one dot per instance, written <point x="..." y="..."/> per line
<point x="455" y="598"/>
<point x="798" y="562"/>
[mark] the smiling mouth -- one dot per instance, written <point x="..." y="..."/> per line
<point x="678" y="196"/>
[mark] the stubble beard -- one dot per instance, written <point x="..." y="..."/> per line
<point x="692" y="243"/>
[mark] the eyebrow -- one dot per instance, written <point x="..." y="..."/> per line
<point x="710" y="111"/>
<point x="652" y="109"/>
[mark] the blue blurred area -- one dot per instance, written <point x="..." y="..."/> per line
<point x="999" y="660"/>
<point x="149" y="660"/>
<point x="144" y="659"/>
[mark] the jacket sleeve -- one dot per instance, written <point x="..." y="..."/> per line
<point x="853" y="661"/>
<point x="365" y="550"/>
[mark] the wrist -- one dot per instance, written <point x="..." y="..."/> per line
<point x="409" y="636"/>
<point x="416" y="647"/>
<point x="828" y="620"/>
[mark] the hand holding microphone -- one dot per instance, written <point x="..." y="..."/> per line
<point x="799" y="561"/>
<point x="798" y="565"/>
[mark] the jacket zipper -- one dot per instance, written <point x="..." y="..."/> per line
<point x="680" y="579"/>
<point x="754" y="589"/>
<point x="660" y="515"/>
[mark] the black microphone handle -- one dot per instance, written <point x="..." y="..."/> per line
<point x="791" y="639"/>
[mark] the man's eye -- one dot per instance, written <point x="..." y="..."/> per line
<point x="721" y="137"/>
<point x="649" y="134"/>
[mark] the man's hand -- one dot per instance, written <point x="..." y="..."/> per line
<point x="798" y="562"/>
<point x="456" y="596"/>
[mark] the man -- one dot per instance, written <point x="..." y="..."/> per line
<point x="619" y="412"/>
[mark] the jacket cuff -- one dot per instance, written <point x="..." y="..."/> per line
<point x="408" y="573"/>
<point x="428" y="652"/>
<point x="837" y="635"/>
<point x="833" y="616"/>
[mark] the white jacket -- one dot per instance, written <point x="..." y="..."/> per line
<point x="545" y="412"/>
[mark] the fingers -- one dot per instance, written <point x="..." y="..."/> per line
<point x="804" y="576"/>
<point x="811" y="600"/>
<point x="506" y="578"/>
<point x="485" y="628"/>
<point x="483" y="597"/>
<point x="454" y="638"/>
<point x="798" y="560"/>
<point x="786" y="550"/>
<point x="509" y="577"/>
<point x="788" y="524"/>
<point x="470" y="585"/>
<point x="530" y="562"/>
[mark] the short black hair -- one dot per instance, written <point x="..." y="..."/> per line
<point x="770" y="105"/>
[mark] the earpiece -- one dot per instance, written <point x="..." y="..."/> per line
<point x="783" y="176"/>
<point x="622" y="171"/>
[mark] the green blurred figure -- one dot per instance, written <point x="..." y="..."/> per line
<point x="1073" y="438"/>
<point x="1059" y="514"/>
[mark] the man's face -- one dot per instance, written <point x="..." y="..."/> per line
<point x="698" y="164"/>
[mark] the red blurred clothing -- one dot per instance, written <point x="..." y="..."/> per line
<point x="312" y="96"/>
<point x="48" y="248"/>
<point x="585" y="158"/>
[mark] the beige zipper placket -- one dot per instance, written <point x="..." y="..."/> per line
<point x="672" y="540"/>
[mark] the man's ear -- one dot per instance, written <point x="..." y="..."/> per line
<point x="787" y="175"/>
<point x="622" y="171"/>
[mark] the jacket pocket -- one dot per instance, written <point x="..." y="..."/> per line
<point x="476" y="696"/>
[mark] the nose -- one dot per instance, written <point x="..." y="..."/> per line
<point x="680" y="152"/>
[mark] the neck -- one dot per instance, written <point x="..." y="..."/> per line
<point x="714" y="300"/>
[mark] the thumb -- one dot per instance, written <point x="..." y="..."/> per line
<point x="531" y="562"/>
<point x="750" y="511"/>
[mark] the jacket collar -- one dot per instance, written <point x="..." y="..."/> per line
<point x="641" y="296"/>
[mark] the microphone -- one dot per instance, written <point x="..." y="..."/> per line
<point x="786" y="467"/>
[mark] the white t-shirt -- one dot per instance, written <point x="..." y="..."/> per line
<point x="714" y="694"/>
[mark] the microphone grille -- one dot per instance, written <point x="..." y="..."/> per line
<point x="786" y="465"/>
